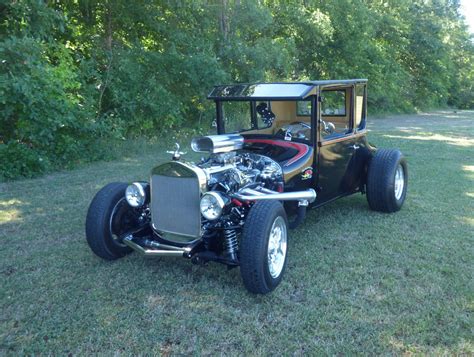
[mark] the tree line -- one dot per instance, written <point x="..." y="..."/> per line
<point x="78" y="75"/>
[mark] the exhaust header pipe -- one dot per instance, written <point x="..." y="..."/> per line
<point x="248" y="194"/>
<point x="162" y="250"/>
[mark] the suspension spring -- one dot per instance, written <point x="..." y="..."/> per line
<point x="231" y="244"/>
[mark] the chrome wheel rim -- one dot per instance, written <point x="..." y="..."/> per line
<point x="399" y="182"/>
<point x="277" y="244"/>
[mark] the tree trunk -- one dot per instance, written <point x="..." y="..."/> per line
<point x="223" y="25"/>
<point x="108" y="27"/>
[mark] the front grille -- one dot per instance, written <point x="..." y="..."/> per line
<point x="175" y="200"/>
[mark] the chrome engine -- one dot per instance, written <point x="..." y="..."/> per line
<point x="231" y="172"/>
<point x="234" y="177"/>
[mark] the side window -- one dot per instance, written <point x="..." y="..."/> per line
<point x="360" y="107"/>
<point x="334" y="103"/>
<point x="335" y="113"/>
<point x="303" y="108"/>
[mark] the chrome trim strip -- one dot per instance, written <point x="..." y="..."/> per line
<point x="353" y="135"/>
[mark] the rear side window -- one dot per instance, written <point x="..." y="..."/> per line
<point x="334" y="103"/>
<point x="360" y="106"/>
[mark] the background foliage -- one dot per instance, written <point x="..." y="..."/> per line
<point x="78" y="76"/>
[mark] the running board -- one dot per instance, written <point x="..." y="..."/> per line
<point x="167" y="251"/>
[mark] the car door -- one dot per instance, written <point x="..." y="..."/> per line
<point x="339" y="163"/>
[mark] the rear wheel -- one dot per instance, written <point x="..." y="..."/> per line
<point x="387" y="181"/>
<point x="108" y="218"/>
<point x="264" y="247"/>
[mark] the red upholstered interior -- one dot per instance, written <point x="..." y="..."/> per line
<point x="302" y="149"/>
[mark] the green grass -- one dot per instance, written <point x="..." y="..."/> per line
<point x="357" y="281"/>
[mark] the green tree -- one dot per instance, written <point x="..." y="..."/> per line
<point x="76" y="74"/>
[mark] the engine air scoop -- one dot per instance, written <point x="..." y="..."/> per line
<point x="217" y="143"/>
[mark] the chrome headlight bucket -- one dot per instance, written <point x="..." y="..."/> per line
<point x="135" y="194"/>
<point x="211" y="205"/>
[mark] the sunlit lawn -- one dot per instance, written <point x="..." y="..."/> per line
<point x="357" y="281"/>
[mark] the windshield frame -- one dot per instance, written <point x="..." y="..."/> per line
<point x="220" y="123"/>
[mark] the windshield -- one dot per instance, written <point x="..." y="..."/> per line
<point x="241" y="116"/>
<point x="285" y="120"/>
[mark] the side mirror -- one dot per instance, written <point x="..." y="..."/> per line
<point x="330" y="128"/>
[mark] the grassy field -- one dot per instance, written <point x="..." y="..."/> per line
<point x="357" y="281"/>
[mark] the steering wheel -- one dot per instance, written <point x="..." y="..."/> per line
<point x="328" y="127"/>
<point x="297" y="129"/>
<point x="302" y="123"/>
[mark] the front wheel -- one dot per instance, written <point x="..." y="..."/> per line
<point x="264" y="247"/>
<point x="387" y="179"/>
<point x="108" y="218"/>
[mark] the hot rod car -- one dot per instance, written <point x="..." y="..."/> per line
<point x="280" y="149"/>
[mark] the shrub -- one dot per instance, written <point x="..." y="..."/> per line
<point x="45" y="122"/>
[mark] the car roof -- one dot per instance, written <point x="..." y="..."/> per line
<point x="276" y="90"/>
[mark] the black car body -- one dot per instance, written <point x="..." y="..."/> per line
<point x="280" y="149"/>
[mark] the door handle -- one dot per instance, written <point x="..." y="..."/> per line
<point x="354" y="147"/>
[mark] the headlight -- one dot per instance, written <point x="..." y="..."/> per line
<point x="135" y="194"/>
<point x="211" y="205"/>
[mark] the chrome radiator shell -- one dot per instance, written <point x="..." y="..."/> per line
<point x="176" y="189"/>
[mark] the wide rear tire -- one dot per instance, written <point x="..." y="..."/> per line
<point x="263" y="247"/>
<point x="387" y="180"/>
<point x="106" y="220"/>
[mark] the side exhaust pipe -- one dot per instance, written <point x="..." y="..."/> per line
<point x="248" y="194"/>
<point x="304" y="198"/>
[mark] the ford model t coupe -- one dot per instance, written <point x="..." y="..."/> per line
<point x="280" y="149"/>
